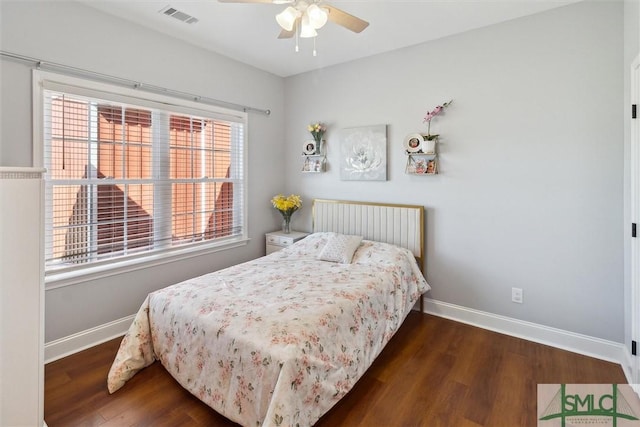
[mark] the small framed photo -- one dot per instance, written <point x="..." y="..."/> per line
<point x="309" y="147"/>
<point x="413" y="143"/>
<point x="432" y="167"/>
<point x="420" y="166"/>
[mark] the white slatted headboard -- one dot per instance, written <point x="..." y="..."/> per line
<point x="402" y="225"/>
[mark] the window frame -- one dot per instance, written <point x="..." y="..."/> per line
<point x="43" y="80"/>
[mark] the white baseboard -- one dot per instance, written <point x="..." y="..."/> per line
<point x="71" y="344"/>
<point x="566" y="340"/>
<point x="627" y="362"/>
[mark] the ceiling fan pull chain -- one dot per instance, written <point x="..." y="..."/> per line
<point x="297" y="36"/>
<point x="315" y="53"/>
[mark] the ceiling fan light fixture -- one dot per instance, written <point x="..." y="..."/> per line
<point x="306" y="29"/>
<point x="287" y="18"/>
<point x="317" y="16"/>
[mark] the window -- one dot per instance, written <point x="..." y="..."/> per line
<point x="129" y="177"/>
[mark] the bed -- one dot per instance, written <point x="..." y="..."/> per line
<point x="277" y="341"/>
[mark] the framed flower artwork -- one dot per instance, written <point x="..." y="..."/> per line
<point x="363" y="153"/>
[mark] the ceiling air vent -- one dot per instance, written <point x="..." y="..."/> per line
<point x="180" y="16"/>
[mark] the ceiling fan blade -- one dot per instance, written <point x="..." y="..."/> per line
<point x="348" y="21"/>
<point x="250" y="1"/>
<point x="284" y="34"/>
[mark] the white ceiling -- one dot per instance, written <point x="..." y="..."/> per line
<point x="248" y="32"/>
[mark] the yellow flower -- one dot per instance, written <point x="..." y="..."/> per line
<point x="317" y="130"/>
<point x="287" y="205"/>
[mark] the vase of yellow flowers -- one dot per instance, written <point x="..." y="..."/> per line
<point x="317" y="131"/>
<point x="286" y="206"/>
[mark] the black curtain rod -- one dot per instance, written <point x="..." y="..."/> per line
<point x="40" y="64"/>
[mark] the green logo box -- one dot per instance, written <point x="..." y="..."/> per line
<point x="593" y="405"/>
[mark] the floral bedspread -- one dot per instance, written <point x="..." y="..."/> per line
<point x="276" y="341"/>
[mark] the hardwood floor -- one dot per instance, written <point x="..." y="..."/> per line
<point x="435" y="372"/>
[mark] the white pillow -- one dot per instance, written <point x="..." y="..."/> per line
<point x="340" y="248"/>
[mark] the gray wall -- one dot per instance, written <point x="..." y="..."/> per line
<point x="531" y="189"/>
<point x="73" y="34"/>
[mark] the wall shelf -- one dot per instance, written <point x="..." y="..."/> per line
<point x="314" y="163"/>
<point x="315" y="159"/>
<point x="422" y="164"/>
<point x="422" y="154"/>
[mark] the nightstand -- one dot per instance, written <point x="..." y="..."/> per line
<point x="277" y="240"/>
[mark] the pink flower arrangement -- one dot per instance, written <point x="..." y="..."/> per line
<point x="430" y="115"/>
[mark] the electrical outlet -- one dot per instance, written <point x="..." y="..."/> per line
<point x="516" y="295"/>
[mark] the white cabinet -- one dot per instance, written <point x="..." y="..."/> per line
<point x="21" y="297"/>
<point x="277" y="240"/>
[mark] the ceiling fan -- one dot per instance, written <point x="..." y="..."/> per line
<point x="303" y="17"/>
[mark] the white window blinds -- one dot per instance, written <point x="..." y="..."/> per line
<point x="128" y="177"/>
